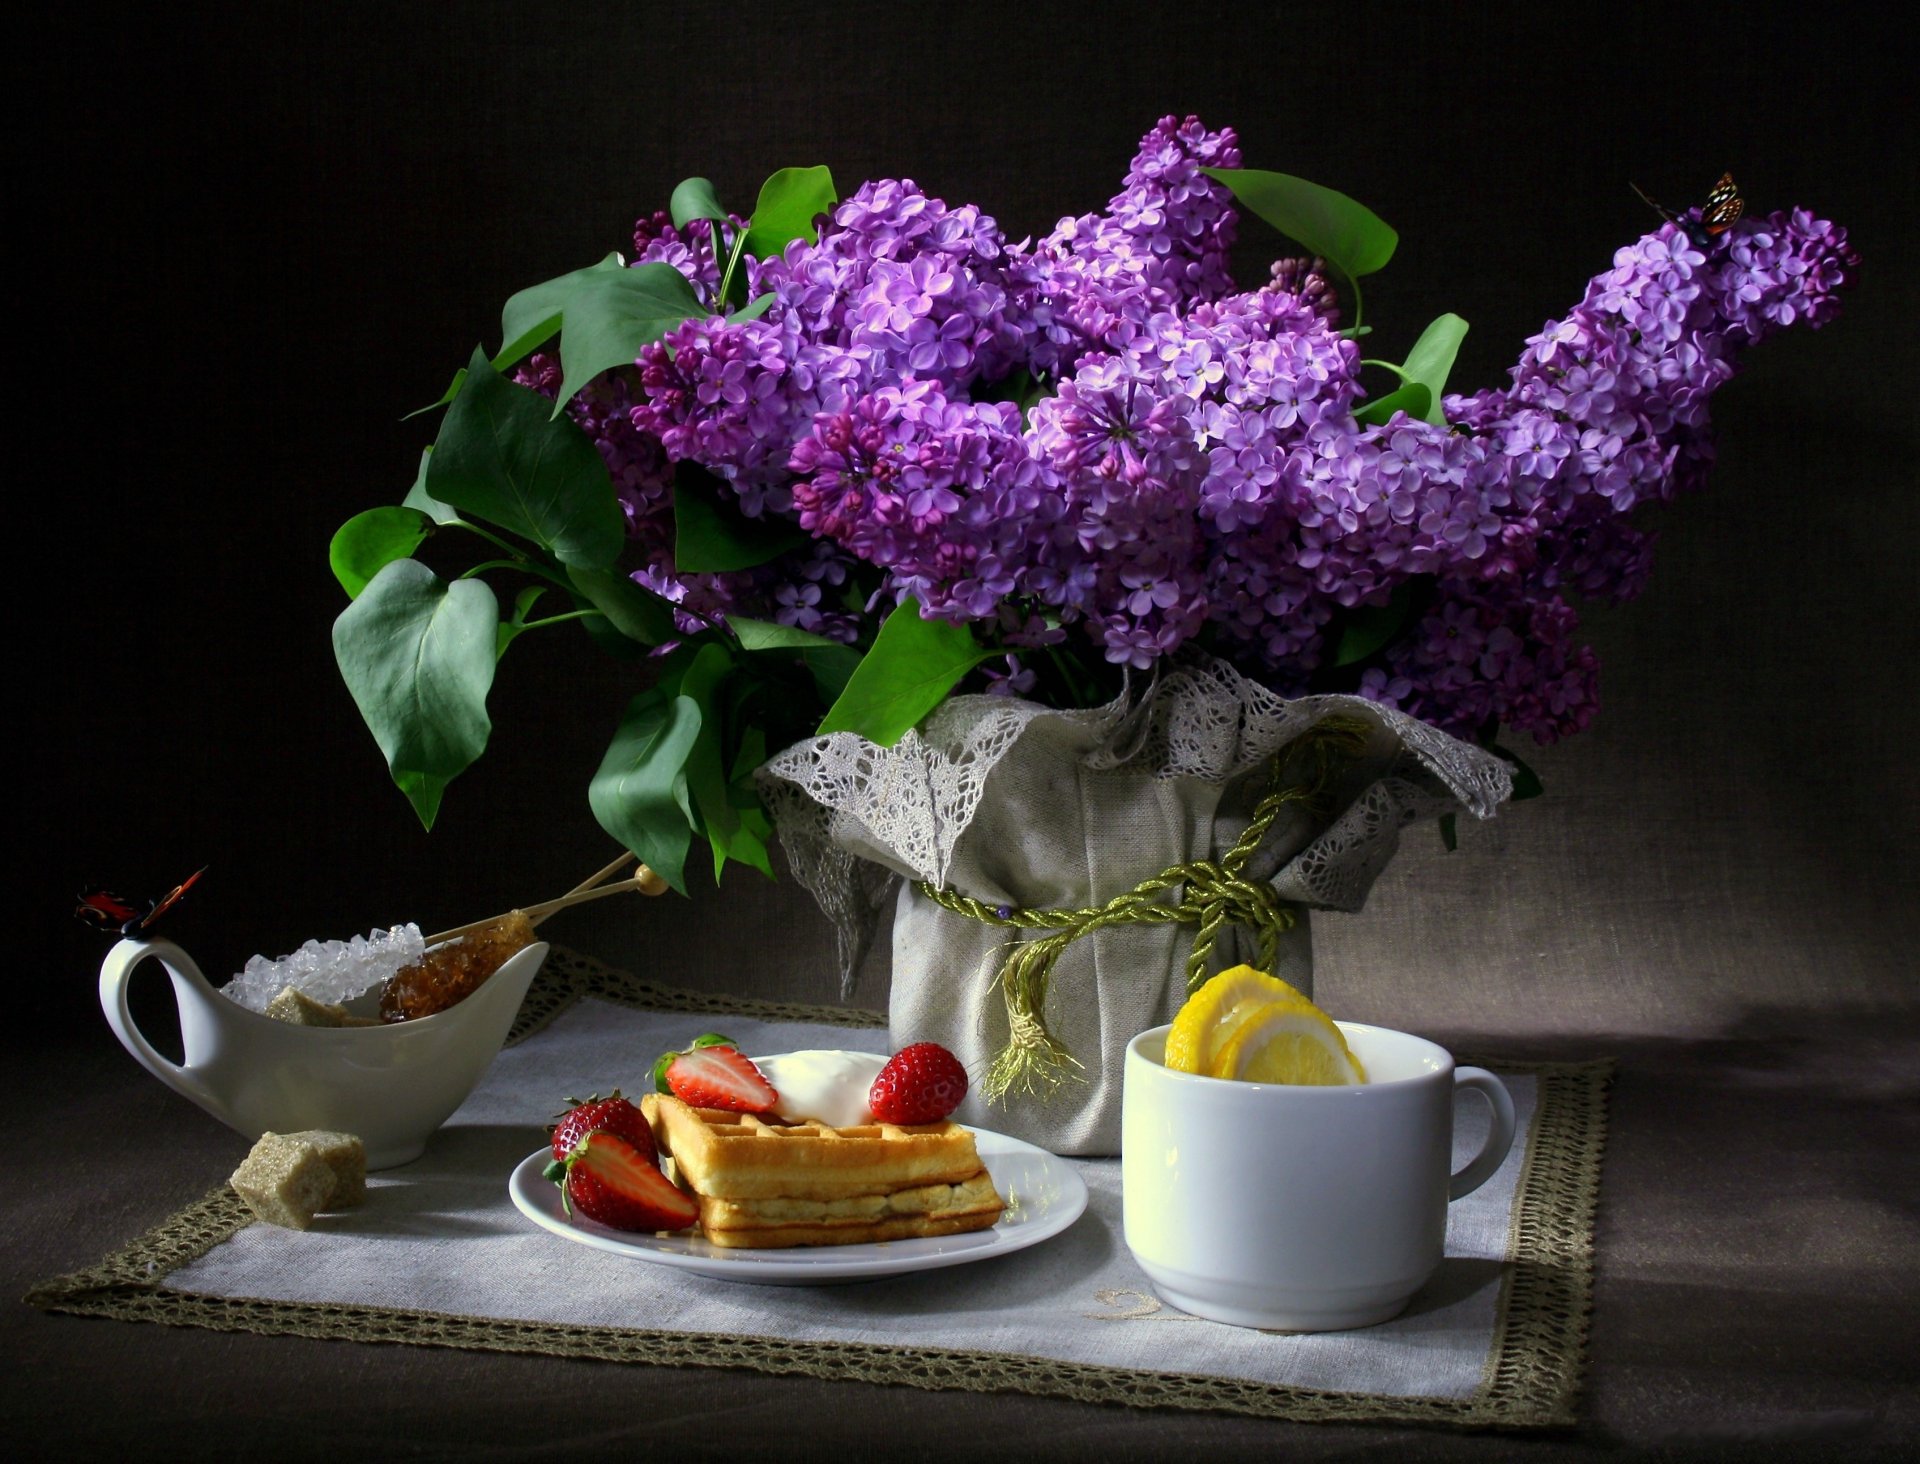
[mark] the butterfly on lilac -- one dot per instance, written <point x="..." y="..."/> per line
<point x="104" y="910"/>
<point x="1719" y="213"/>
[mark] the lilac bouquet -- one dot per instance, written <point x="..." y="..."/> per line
<point x="814" y="468"/>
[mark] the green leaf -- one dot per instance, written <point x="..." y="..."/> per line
<point x="1431" y="361"/>
<point x="711" y="535"/>
<point x="831" y="667"/>
<point x="765" y="635"/>
<point x="1013" y="387"/>
<point x="502" y="456"/>
<point x="418" y="655"/>
<point x="753" y="752"/>
<point x="1450" y="831"/>
<point x="789" y="202"/>
<point x="1526" y="782"/>
<point x="533" y="316"/>
<point x="717" y="818"/>
<point x="695" y="199"/>
<point x="610" y="316"/>
<point x="452" y="391"/>
<point x="638" y="614"/>
<point x="753" y="311"/>
<point x="1348" y="235"/>
<point x="1413" y="398"/>
<point x="1369" y="627"/>
<point x="602" y="633"/>
<point x="914" y="663"/>
<point x="733" y="279"/>
<point x="418" y="497"/>
<point x="368" y="542"/>
<point x="746" y="844"/>
<point x="639" y="792"/>
<point x="511" y="630"/>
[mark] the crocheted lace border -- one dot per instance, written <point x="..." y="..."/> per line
<point x="1532" y="1379"/>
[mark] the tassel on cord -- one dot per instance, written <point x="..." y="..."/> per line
<point x="1212" y="895"/>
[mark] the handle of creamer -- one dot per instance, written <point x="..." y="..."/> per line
<point x="188" y="986"/>
<point x="1493" y="1153"/>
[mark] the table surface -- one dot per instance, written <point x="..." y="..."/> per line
<point x="1758" y="1274"/>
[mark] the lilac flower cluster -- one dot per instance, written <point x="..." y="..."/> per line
<point x="1192" y="472"/>
<point x="942" y="493"/>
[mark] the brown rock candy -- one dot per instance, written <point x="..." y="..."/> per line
<point x="453" y="971"/>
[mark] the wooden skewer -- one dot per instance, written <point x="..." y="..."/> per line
<point x="642" y="879"/>
<point x="626" y="858"/>
<point x="536" y="913"/>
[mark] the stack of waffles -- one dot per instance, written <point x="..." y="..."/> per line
<point x="768" y="1183"/>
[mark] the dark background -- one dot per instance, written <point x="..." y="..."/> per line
<point x="245" y="246"/>
<point x="243" y="243"/>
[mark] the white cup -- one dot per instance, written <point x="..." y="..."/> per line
<point x="1295" y="1208"/>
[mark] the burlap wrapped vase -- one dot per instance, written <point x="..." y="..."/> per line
<point x="1096" y="849"/>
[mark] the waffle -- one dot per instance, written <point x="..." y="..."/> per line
<point x="766" y="1183"/>
<point x="741" y="1156"/>
<point x="924" y="1210"/>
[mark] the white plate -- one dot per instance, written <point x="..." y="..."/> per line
<point x="1044" y="1195"/>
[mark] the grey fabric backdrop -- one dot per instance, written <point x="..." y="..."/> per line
<point x="245" y="245"/>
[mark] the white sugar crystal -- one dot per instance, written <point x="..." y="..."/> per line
<point x="333" y="971"/>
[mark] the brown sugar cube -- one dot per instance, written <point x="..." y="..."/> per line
<point x="452" y="972"/>
<point x="289" y="1178"/>
<point x="284" y="1181"/>
<point x="295" y="1006"/>
<point x="346" y="1156"/>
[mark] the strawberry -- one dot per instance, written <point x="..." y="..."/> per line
<point x="920" y="1084"/>
<point x="615" y="1115"/>
<point x="611" y="1181"/>
<point x="713" y="1073"/>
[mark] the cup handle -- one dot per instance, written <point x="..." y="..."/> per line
<point x="114" y="974"/>
<point x="1499" y="1138"/>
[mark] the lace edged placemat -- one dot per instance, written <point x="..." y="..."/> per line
<point x="1534" y="1338"/>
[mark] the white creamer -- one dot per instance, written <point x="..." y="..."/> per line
<point x="823" y="1084"/>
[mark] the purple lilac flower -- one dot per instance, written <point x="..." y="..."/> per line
<point x="905" y="285"/>
<point x="1308" y="279"/>
<point x="1492" y="657"/>
<point x="802" y="589"/>
<point x="1196" y="469"/>
<point x="689" y="250"/>
<point x="1125" y="557"/>
<point x="1161" y="245"/>
<point x="1607" y="411"/>
<point x="942" y="494"/>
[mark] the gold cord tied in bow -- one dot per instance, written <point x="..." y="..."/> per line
<point x="1212" y="894"/>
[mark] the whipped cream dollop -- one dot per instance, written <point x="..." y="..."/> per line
<point x="824" y="1084"/>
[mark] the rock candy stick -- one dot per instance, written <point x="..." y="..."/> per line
<point x="642" y="879"/>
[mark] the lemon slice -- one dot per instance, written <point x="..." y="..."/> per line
<point x="1210" y="1015"/>
<point x="1288" y="1042"/>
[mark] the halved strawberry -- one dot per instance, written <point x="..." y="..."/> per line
<point x="616" y="1115"/>
<point x="922" y="1083"/>
<point x="715" y="1074"/>
<point x="611" y="1181"/>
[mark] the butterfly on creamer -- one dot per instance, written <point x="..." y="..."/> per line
<point x="104" y="910"/>
<point x="1719" y="213"/>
